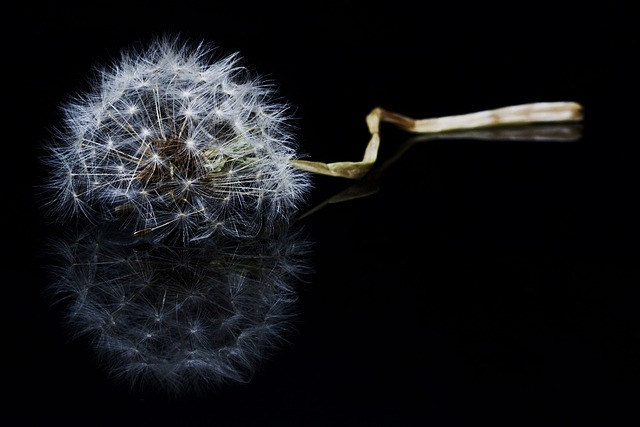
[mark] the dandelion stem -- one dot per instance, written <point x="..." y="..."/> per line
<point x="525" y="114"/>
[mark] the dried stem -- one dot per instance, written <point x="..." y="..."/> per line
<point x="525" y="114"/>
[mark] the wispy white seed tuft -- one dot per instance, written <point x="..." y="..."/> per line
<point x="179" y="143"/>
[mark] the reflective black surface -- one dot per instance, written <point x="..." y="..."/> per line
<point x="478" y="278"/>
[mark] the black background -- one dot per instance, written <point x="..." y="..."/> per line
<point x="485" y="281"/>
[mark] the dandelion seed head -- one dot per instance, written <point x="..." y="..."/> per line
<point x="175" y="113"/>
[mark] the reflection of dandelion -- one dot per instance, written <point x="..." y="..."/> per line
<point x="179" y="316"/>
<point x="177" y="144"/>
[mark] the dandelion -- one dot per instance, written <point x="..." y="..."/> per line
<point x="180" y="143"/>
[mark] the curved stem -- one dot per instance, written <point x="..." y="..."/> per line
<point x="524" y="114"/>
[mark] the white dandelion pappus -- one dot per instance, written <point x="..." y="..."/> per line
<point x="178" y="143"/>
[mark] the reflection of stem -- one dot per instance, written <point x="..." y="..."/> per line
<point x="525" y="114"/>
<point x="552" y="132"/>
<point x="361" y="188"/>
<point x="555" y="132"/>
